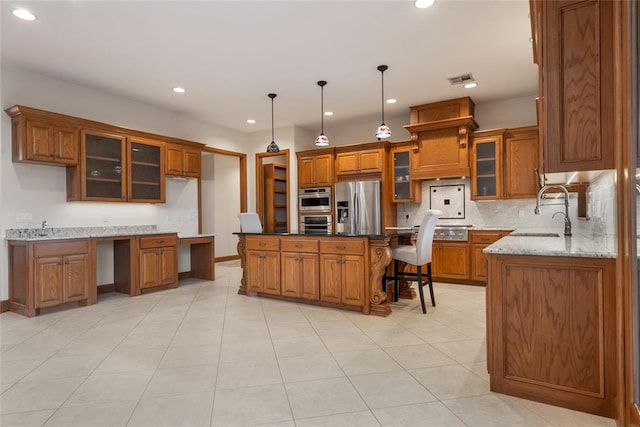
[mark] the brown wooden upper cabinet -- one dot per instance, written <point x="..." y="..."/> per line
<point x="181" y="160"/>
<point x="503" y="164"/>
<point x="440" y="135"/>
<point x="521" y="158"/>
<point x="41" y="138"/>
<point x="315" y="170"/>
<point x="486" y="165"/>
<point x="575" y="59"/>
<point x="359" y="162"/>
<point x="404" y="189"/>
<point x="117" y="168"/>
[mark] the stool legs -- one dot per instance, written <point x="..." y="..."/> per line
<point x="424" y="307"/>
<point x="417" y="277"/>
<point x="433" y="298"/>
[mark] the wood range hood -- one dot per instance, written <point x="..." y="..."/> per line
<point x="440" y="138"/>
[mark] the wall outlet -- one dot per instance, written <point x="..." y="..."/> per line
<point x="105" y="218"/>
<point x="521" y="213"/>
<point x="24" y="217"/>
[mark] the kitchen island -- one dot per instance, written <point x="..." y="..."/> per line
<point x="551" y="320"/>
<point x="336" y="270"/>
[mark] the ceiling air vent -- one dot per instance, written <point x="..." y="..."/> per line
<point x="461" y="79"/>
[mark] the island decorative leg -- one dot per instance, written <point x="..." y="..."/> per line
<point x="241" y="251"/>
<point x="380" y="257"/>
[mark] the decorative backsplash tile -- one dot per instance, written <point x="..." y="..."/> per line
<point x="518" y="213"/>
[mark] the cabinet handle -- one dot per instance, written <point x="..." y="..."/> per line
<point x="298" y="245"/>
<point x="341" y="247"/>
<point x="261" y="244"/>
<point x="159" y="241"/>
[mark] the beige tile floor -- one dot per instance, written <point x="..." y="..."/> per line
<point x="201" y="355"/>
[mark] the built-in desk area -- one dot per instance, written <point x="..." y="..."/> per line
<point x="54" y="266"/>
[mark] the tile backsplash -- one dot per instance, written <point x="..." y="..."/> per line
<point x="518" y="213"/>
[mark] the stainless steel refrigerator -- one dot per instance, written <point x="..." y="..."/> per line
<point x="358" y="207"/>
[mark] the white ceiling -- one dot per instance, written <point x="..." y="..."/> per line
<point x="230" y="54"/>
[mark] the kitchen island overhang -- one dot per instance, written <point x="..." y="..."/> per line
<point x="334" y="270"/>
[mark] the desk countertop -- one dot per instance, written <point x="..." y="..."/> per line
<point x="40" y="234"/>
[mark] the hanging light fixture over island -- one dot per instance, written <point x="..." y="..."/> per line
<point x="322" y="140"/>
<point x="383" y="130"/>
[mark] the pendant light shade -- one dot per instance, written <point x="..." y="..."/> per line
<point x="272" y="147"/>
<point x="383" y="130"/>
<point x="322" y="140"/>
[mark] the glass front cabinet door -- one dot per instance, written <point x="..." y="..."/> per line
<point x="486" y="165"/>
<point x="115" y="168"/>
<point x="404" y="189"/>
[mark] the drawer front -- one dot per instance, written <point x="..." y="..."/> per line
<point x="263" y="243"/>
<point x="158" y="241"/>
<point x="485" y="236"/>
<point x="70" y="247"/>
<point x="345" y="246"/>
<point x="299" y="245"/>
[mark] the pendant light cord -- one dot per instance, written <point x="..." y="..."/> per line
<point x="272" y="95"/>
<point x="322" y="109"/>
<point x="382" y="69"/>
<point x="382" y="72"/>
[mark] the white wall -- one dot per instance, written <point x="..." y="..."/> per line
<point x="41" y="190"/>
<point x="510" y="113"/>
<point x="226" y="204"/>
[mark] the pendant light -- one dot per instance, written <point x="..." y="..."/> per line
<point x="383" y="130"/>
<point x="322" y="140"/>
<point x="272" y="147"/>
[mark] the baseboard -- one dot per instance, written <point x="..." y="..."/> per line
<point x="226" y="258"/>
<point x="4" y="305"/>
<point x="104" y="289"/>
<point x="184" y="275"/>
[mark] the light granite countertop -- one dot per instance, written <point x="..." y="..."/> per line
<point x="53" y="233"/>
<point x="577" y="245"/>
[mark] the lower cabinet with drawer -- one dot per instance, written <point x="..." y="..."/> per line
<point x="463" y="262"/>
<point x="342" y="271"/>
<point x="478" y="240"/>
<point x="263" y="264"/>
<point x="300" y="269"/>
<point x="158" y="257"/>
<point x="47" y="274"/>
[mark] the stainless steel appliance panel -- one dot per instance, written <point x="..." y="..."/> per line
<point x="314" y="199"/>
<point x="358" y="207"/>
<point x="316" y="224"/>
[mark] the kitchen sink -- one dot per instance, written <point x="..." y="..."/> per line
<point x="534" y="234"/>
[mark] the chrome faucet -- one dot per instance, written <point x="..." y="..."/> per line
<point x="43" y="231"/>
<point x="567" y="221"/>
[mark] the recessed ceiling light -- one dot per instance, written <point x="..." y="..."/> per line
<point x="391" y="101"/>
<point x="470" y="85"/>
<point x="24" y="14"/>
<point x="179" y="89"/>
<point x="423" y="4"/>
<point x="251" y="121"/>
<point x="328" y="113"/>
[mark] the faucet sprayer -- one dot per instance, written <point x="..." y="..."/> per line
<point x="567" y="221"/>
